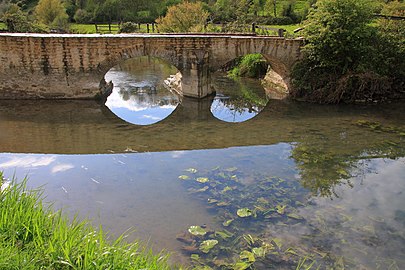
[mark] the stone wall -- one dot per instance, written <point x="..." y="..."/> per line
<point x="73" y="66"/>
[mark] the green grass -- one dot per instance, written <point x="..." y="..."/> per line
<point x="91" y="29"/>
<point x="82" y="28"/>
<point x="289" y="28"/>
<point x="3" y="26"/>
<point x="32" y="236"/>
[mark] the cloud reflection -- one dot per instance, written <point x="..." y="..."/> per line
<point x="28" y="162"/>
<point x="62" y="168"/>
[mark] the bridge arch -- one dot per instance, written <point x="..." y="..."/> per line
<point x="71" y="66"/>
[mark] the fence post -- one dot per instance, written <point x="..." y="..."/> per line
<point x="253" y="28"/>
<point x="95" y="24"/>
<point x="281" y="32"/>
<point x="153" y="27"/>
<point x="147" y="27"/>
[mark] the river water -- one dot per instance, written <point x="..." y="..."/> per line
<point x="230" y="182"/>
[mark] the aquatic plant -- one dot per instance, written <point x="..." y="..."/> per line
<point x="32" y="236"/>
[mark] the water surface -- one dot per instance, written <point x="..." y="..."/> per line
<point x="296" y="184"/>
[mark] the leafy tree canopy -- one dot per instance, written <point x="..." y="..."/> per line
<point x="184" y="17"/>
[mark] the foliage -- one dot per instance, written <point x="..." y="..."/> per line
<point x="338" y="33"/>
<point x="128" y="27"/>
<point x="184" y="17"/>
<point x="82" y="16"/>
<point x="34" y="237"/>
<point x="390" y="44"/>
<point x="52" y="13"/>
<point x="251" y="65"/>
<point x="16" y="20"/>
<point x="345" y="58"/>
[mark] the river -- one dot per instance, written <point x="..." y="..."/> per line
<point x="230" y="182"/>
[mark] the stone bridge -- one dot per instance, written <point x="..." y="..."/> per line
<point x="73" y="66"/>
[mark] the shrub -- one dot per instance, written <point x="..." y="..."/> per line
<point x="251" y="65"/>
<point x="128" y="27"/>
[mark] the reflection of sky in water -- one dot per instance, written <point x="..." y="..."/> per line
<point x="230" y="113"/>
<point x="139" y="96"/>
<point x="237" y="100"/>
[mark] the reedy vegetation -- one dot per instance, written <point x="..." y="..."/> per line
<point x="32" y="236"/>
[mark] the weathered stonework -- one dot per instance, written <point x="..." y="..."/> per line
<point x="73" y="66"/>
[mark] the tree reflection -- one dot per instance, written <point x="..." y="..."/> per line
<point x="238" y="100"/>
<point x="322" y="168"/>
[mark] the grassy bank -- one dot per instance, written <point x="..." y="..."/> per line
<point x="32" y="236"/>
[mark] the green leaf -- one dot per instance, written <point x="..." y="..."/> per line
<point x="244" y="212"/>
<point x="231" y="169"/>
<point x="228" y="222"/>
<point x="280" y="209"/>
<point x="224" y="234"/>
<point x="197" y="230"/>
<point x="207" y="245"/>
<point x="192" y="170"/>
<point x="202" y="179"/>
<point x="259" y="251"/>
<point x="227" y="188"/>
<point x="241" y="265"/>
<point x="184" y="177"/>
<point x="295" y="216"/>
<point x="247" y="256"/>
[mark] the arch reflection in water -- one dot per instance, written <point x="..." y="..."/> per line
<point x="139" y="95"/>
<point x="237" y="100"/>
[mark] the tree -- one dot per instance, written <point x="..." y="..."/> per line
<point x="338" y="33"/>
<point x="52" y="13"/>
<point x="184" y="17"/>
<point x="16" y="20"/>
<point x="339" y="57"/>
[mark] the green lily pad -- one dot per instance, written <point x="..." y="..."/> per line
<point x="197" y="230"/>
<point x="192" y="170"/>
<point x="231" y="169"/>
<point x="222" y="175"/>
<point x="247" y="256"/>
<point x="184" y="177"/>
<point x="228" y="222"/>
<point x="195" y="257"/>
<point x="193" y="190"/>
<point x="281" y="209"/>
<point x="202" y="179"/>
<point x="259" y="251"/>
<point x="241" y="265"/>
<point x="244" y="212"/>
<point x="207" y="245"/>
<point x="227" y="188"/>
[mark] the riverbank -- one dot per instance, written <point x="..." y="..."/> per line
<point x="35" y="237"/>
